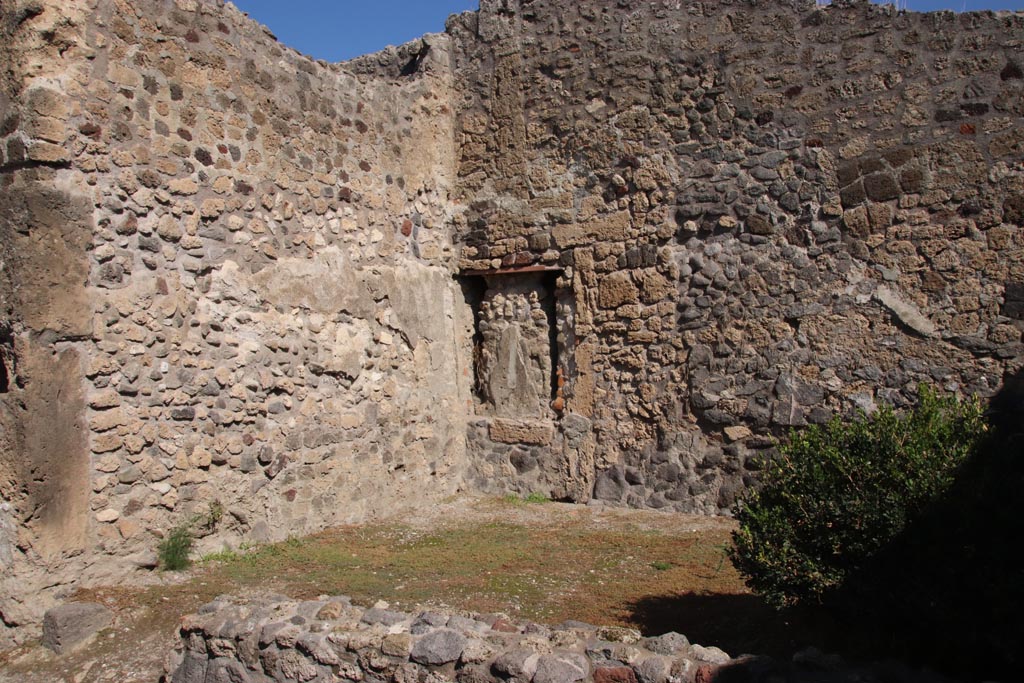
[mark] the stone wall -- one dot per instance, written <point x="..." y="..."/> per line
<point x="585" y="249"/>
<point x="45" y="229"/>
<point x="274" y="639"/>
<point x="227" y="292"/>
<point x="764" y="213"/>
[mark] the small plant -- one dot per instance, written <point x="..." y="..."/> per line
<point x="839" y="494"/>
<point x="661" y="565"/>
<point x="214" y="514"/>
<point x="220" y="556"/>
<point x="173" y="551"/>
<point x="175" y="548"/>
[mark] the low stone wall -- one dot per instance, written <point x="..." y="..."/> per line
<point x="277" y="639"/>
<point x="273" y="639"/>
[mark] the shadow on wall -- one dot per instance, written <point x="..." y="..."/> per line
<point x="946" y="595"/>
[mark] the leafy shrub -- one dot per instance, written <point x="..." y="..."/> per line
<point x="173" y="551"/>
<point x="839" y="494"/>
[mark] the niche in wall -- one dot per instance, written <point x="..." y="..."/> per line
<point x="8" y="367"/>
<point x="516" y="342"/>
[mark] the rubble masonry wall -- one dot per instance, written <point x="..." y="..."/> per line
<point x="587" y="249"/>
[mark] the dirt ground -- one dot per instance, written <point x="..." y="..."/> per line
<point x="536" y="561"/>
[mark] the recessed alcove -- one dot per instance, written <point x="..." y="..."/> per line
<point x="8" y="368"/>
<point x="515" y="345"/>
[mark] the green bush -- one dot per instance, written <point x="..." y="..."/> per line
<point x="840" y="494"/>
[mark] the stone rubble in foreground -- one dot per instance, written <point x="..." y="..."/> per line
<point x="275" y="639"/>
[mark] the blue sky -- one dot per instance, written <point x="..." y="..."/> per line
<point x="336" y="30"/>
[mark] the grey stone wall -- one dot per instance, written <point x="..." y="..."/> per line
<point x="330" y="639"/>
<point x="275" y="639"/>
<point x="766" y="214"/>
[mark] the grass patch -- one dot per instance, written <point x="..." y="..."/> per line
<point x="543" y="572"/>
<point x="535" y="498"/>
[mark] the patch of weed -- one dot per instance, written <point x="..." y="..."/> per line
<point x="221" y="556"/>
<point x="174" y="550"/>
<point x="535" y="497"/>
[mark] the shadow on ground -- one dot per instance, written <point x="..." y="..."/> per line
<point x="739" y="624"/>
<point x="947" y="594"/>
